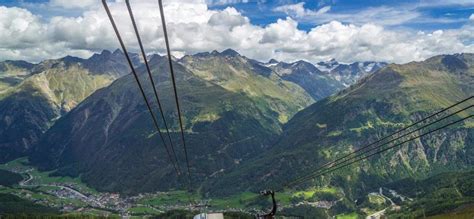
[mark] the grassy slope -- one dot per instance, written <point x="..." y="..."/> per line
<point x="379" y="104"/>
<point x="32" y="106"/>
<point x="112" y="127"/>
<point x="441" y="194"/>
<point x="463" y="212"/>
<point x="22" y="165"/>
<point x="237" y="75"/>
<point x="347" y="216"/>
<point x="40" y="193"/>
<point x="12" y="73"/>
<point x="8" y="178"/>
<point x="13" y="205"/>
<point x="66" y="87"/>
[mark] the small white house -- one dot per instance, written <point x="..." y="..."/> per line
<point x="209" y="216"/>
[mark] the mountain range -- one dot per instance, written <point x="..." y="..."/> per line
<point x="379" y="104"/>
<point x="349" y="74"/>
<point x="249" y="125"/>
<point x="33" y="96"/>
<point x="233" y="107"/>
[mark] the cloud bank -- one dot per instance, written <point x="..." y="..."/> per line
<point x="193" y="27"/>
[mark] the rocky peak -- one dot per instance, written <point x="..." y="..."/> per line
<point x="453" y="63"/>
<point x="70" y="60"/>
<point x="111" y="63"/>
<point x="18" y="64"/>
<point x="118" y="52"/>
<point x="272" y="61"/>
<point x="328" y="65"/>
<point x="155" y="58"/>
<point x="230" y="52"/>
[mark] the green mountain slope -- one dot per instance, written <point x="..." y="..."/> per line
<point x="9" y="179"/>
<point x="377" y="105"/>
<point x="109" y="139"/>
<point x="47" y="91"/>
<point x="439" y="194"/>
<point x="12" y="73"/>
<point x="237" y="73"/>
<point x="12" y="206"/>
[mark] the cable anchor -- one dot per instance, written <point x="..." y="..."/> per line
<point x="272" y="213"/>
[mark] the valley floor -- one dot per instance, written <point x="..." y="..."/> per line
<point x="72" y="197"/>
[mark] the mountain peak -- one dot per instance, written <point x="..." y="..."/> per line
<point x="453" y="62"/>
<point x="110" y="63"/>
<point x="154" y="56"/>
<point x="105" y="52"/>
<point x="327" y="66"/>
<point x="202" y="54"/>
<point x="272" y="61"/>
<point x="117" y="52"/>
<point x="331" y="62"/>
<point x="302" y="62"/>
<point x="19" y="63"/>
<point x="71" y="59"/>
<point x="230" y="52"/>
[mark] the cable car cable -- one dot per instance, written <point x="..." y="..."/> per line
<point x="330" y="164"/>
<point x="152" y="81"/>
<point x="383" y="150"/>
<point x="104" y="2"/>
<point x="168" y="51"/>
<point x="339" y="163"/>
<point x="380" y="146"/>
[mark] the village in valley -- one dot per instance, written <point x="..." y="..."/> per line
<point x="70" y="195"/>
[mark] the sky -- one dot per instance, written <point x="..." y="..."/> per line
<point x="287" y="30"/>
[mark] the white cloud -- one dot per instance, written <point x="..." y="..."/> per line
<point x="382" y="15"/>
<point x="225" y="2"/>
<point x="193" y="27"/>
<point x="403" y="13"/>
<point x="70" y="4"/>
<point x="281" y="31"/>
<point x="228" y="18"/>
<point x="471" y="17"/>
<point x="438" y="3"/>
<point x="19" y="28"/>
<point x="299" y="11"/>
<point x="323" y="10"/>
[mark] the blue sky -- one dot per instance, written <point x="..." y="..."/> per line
<point x="288" y="30"/>
<point x="432" y="14"/>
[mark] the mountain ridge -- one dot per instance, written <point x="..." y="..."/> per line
<point x="220" y="134"/>
<point x="230" y="127"/>
<point x="45" y="92"/>
<point x="237" y="73"/>
<point x="378" y="104"/>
